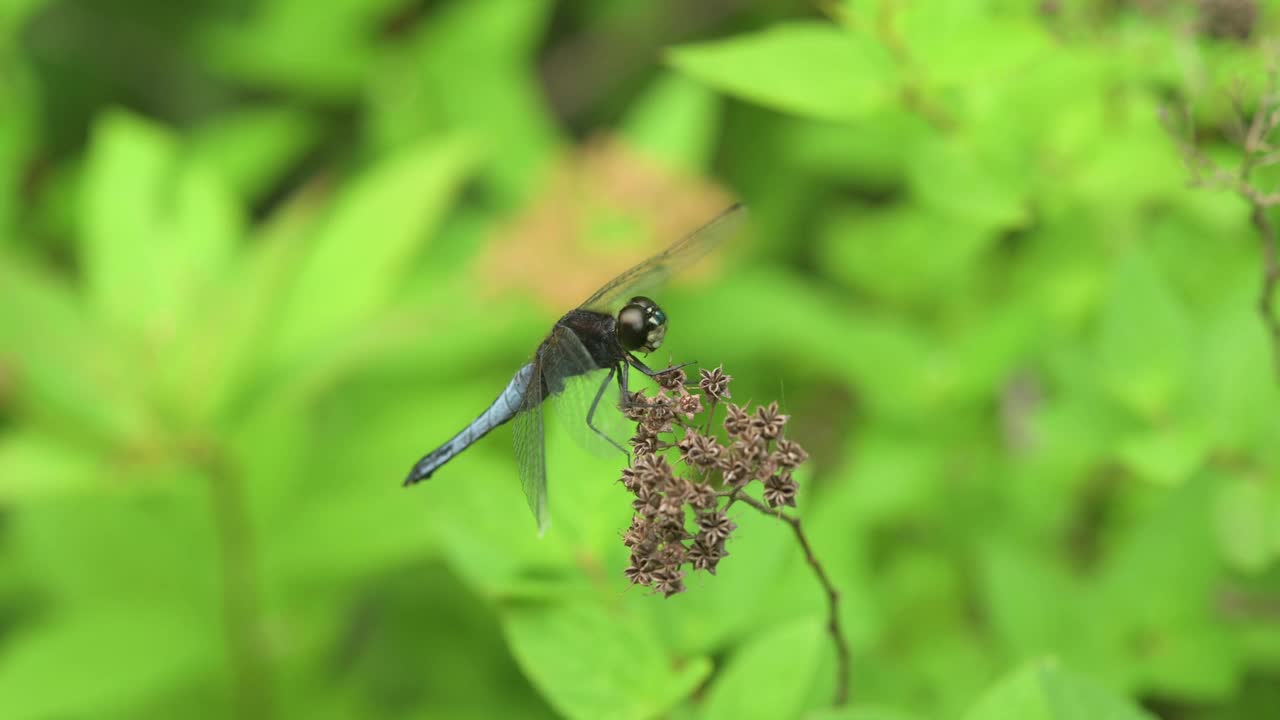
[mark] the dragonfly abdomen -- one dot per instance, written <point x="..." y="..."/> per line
<point x="499" y="411"/>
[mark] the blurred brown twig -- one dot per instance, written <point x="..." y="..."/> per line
<point x="833" y="596"/>
<point x="1252" y="134"/>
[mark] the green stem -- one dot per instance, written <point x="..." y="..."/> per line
<point x="241" y="596"/>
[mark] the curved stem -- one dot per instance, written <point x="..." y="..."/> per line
<point x="241" y="595"/>
<point x="833" y="597"/>
<point x="1270" y="279"/>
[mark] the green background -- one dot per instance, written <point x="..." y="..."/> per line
<point x="256" y="257"/>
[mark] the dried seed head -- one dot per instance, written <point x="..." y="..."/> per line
<point x="671" y="555"/>
<point x="637" y="575"/>
<point x="737" y="471"/>
<point x="789" y="454"/>
<point x="780" y="490"/>
<point x="698" y="450"/>
<point x="652" y="470"/>
<point x="768" y="421"/>
<point x="647" y="503"/>
<point x="671" y="508"/>
<point x="668" y="506"/>
<point x="644" y="444"/>
<point x="635" y="406"/>
<point x="688" y="406"/>
<point x="629" y="479"/>
<point x="668" y="582"/>
<point x="671" y="529"/>
<point x="716" y="526"/>
<point x="736" y="420"/>
<point x="635" y="534"/>
<point x="702" y="496"/>
<point x="715" y="383"/>
<point x="671" y="379"/>
<point x="751" y="447"/>
<point x="660" y="414"/>
<point x="702" y="557"/>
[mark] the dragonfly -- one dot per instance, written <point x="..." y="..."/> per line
<point x="599" y="337"/>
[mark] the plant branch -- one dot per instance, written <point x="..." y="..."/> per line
<point x="241" y="596"/>
<point x="1252" y="133"/>
<point x="833" y="596"/>
<point x="1270" y="279"/>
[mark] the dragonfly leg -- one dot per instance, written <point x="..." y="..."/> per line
<point x="591" y="413"/>
<point x="624" y="383"/>
<point x="638" y="364"/>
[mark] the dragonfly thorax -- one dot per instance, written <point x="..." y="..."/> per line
<point x="642" y="325"/>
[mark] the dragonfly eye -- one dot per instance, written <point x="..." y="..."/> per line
<point x="641" y="325"/>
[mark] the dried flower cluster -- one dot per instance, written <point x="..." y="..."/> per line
<point x="683" y="520"/>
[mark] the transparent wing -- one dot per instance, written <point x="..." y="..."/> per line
<point x="655" y="271"/>
<point x="577" y="383"/>
<point x="531" y="448"/>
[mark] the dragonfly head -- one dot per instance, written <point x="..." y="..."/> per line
<point x="641" y="325"/>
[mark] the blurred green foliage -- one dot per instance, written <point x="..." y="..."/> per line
<point x="257" y="256"/>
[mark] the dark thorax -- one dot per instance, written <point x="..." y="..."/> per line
<point x="596" y="331"/>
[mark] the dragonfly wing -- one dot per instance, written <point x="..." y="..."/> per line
<point x="654" y="272"/>
<point x="577" y="384"/>
<point x="530" y="446"/>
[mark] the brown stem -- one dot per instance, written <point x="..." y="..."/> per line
<point x="241" y="604"/>
<point x="1257" y="153"/>
<point x="1270" y="279"/>
<point x="833" y="597"/>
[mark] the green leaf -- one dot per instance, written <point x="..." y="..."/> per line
<point x="470" y="68"/>
<point x="1170" y="546"/>
<point x="1144" y="340"/>
<point x="13" y="13"/>
<point x="897" y="371"/>
<point x="962" y="40"/>
<point x="132" y="609"/>
<point x="1152" y="598"/>
<point x="1235" y="391"/>
<point x="868" y="712"/>
<point x="218" y="362"/>
<point x="1044" y="691"/>
<point x="676" y="121"/>
<point x="329" y="537"/>
<point x="17" y="140"/>
<point x="101" y="663"/>
<point x="366" y="245"/>
<point x="252" y="149"/>
<point x="902" y="252"/>
<point x="1243" y="511"/>
<point x="157" y="230"/>
<point x="1034" y="607"/>
<point x="813" y="69"/>
<point x="287" y="44"/>
<point x="1167" y="455"/>
<point x="94" y="553"/>
<point x="67" y="373"/>
<point x="1124" y="162"/>
<point x="875" y="152"/>
<point x="771" y="676"/>
<point x="899" y="479"/>
<point x="34" y="464"/>
<point x="590" y="662"/>
<point x="978" y="181"/>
